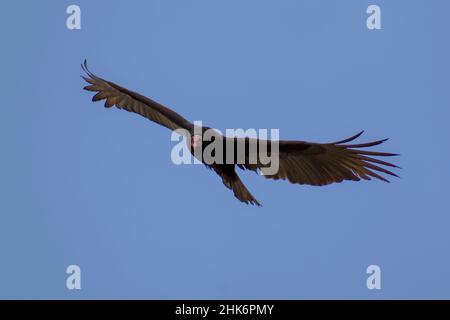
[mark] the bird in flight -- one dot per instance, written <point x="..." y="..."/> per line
<point x="299" y="162"/>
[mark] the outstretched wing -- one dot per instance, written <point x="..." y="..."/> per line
<point x="320" y="164"/>
<point x="123" y="98"/>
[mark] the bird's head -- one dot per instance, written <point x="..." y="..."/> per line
<point x="196" y="141"/>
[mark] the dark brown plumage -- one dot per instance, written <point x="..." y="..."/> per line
<point x="300" y="162"/>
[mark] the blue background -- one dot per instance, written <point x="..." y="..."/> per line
<point x="94" y="187"/>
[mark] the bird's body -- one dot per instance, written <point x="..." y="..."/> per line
<point x="299" y="162"/>
<point x="225" y="169"/>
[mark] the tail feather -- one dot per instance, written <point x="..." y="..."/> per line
<point x="232" y="181"/>
<point x="241" y="192"/>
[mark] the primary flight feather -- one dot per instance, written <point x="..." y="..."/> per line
<point x="300" y="162"/>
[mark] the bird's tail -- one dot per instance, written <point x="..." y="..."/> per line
<point x="241" y="192"/>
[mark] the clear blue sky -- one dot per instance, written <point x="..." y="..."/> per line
<point x="94" y="187"/>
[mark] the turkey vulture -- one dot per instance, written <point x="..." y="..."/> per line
<point x="299" y="162"/>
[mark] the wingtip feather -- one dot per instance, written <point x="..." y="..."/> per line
<point x="356" y="136"/>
